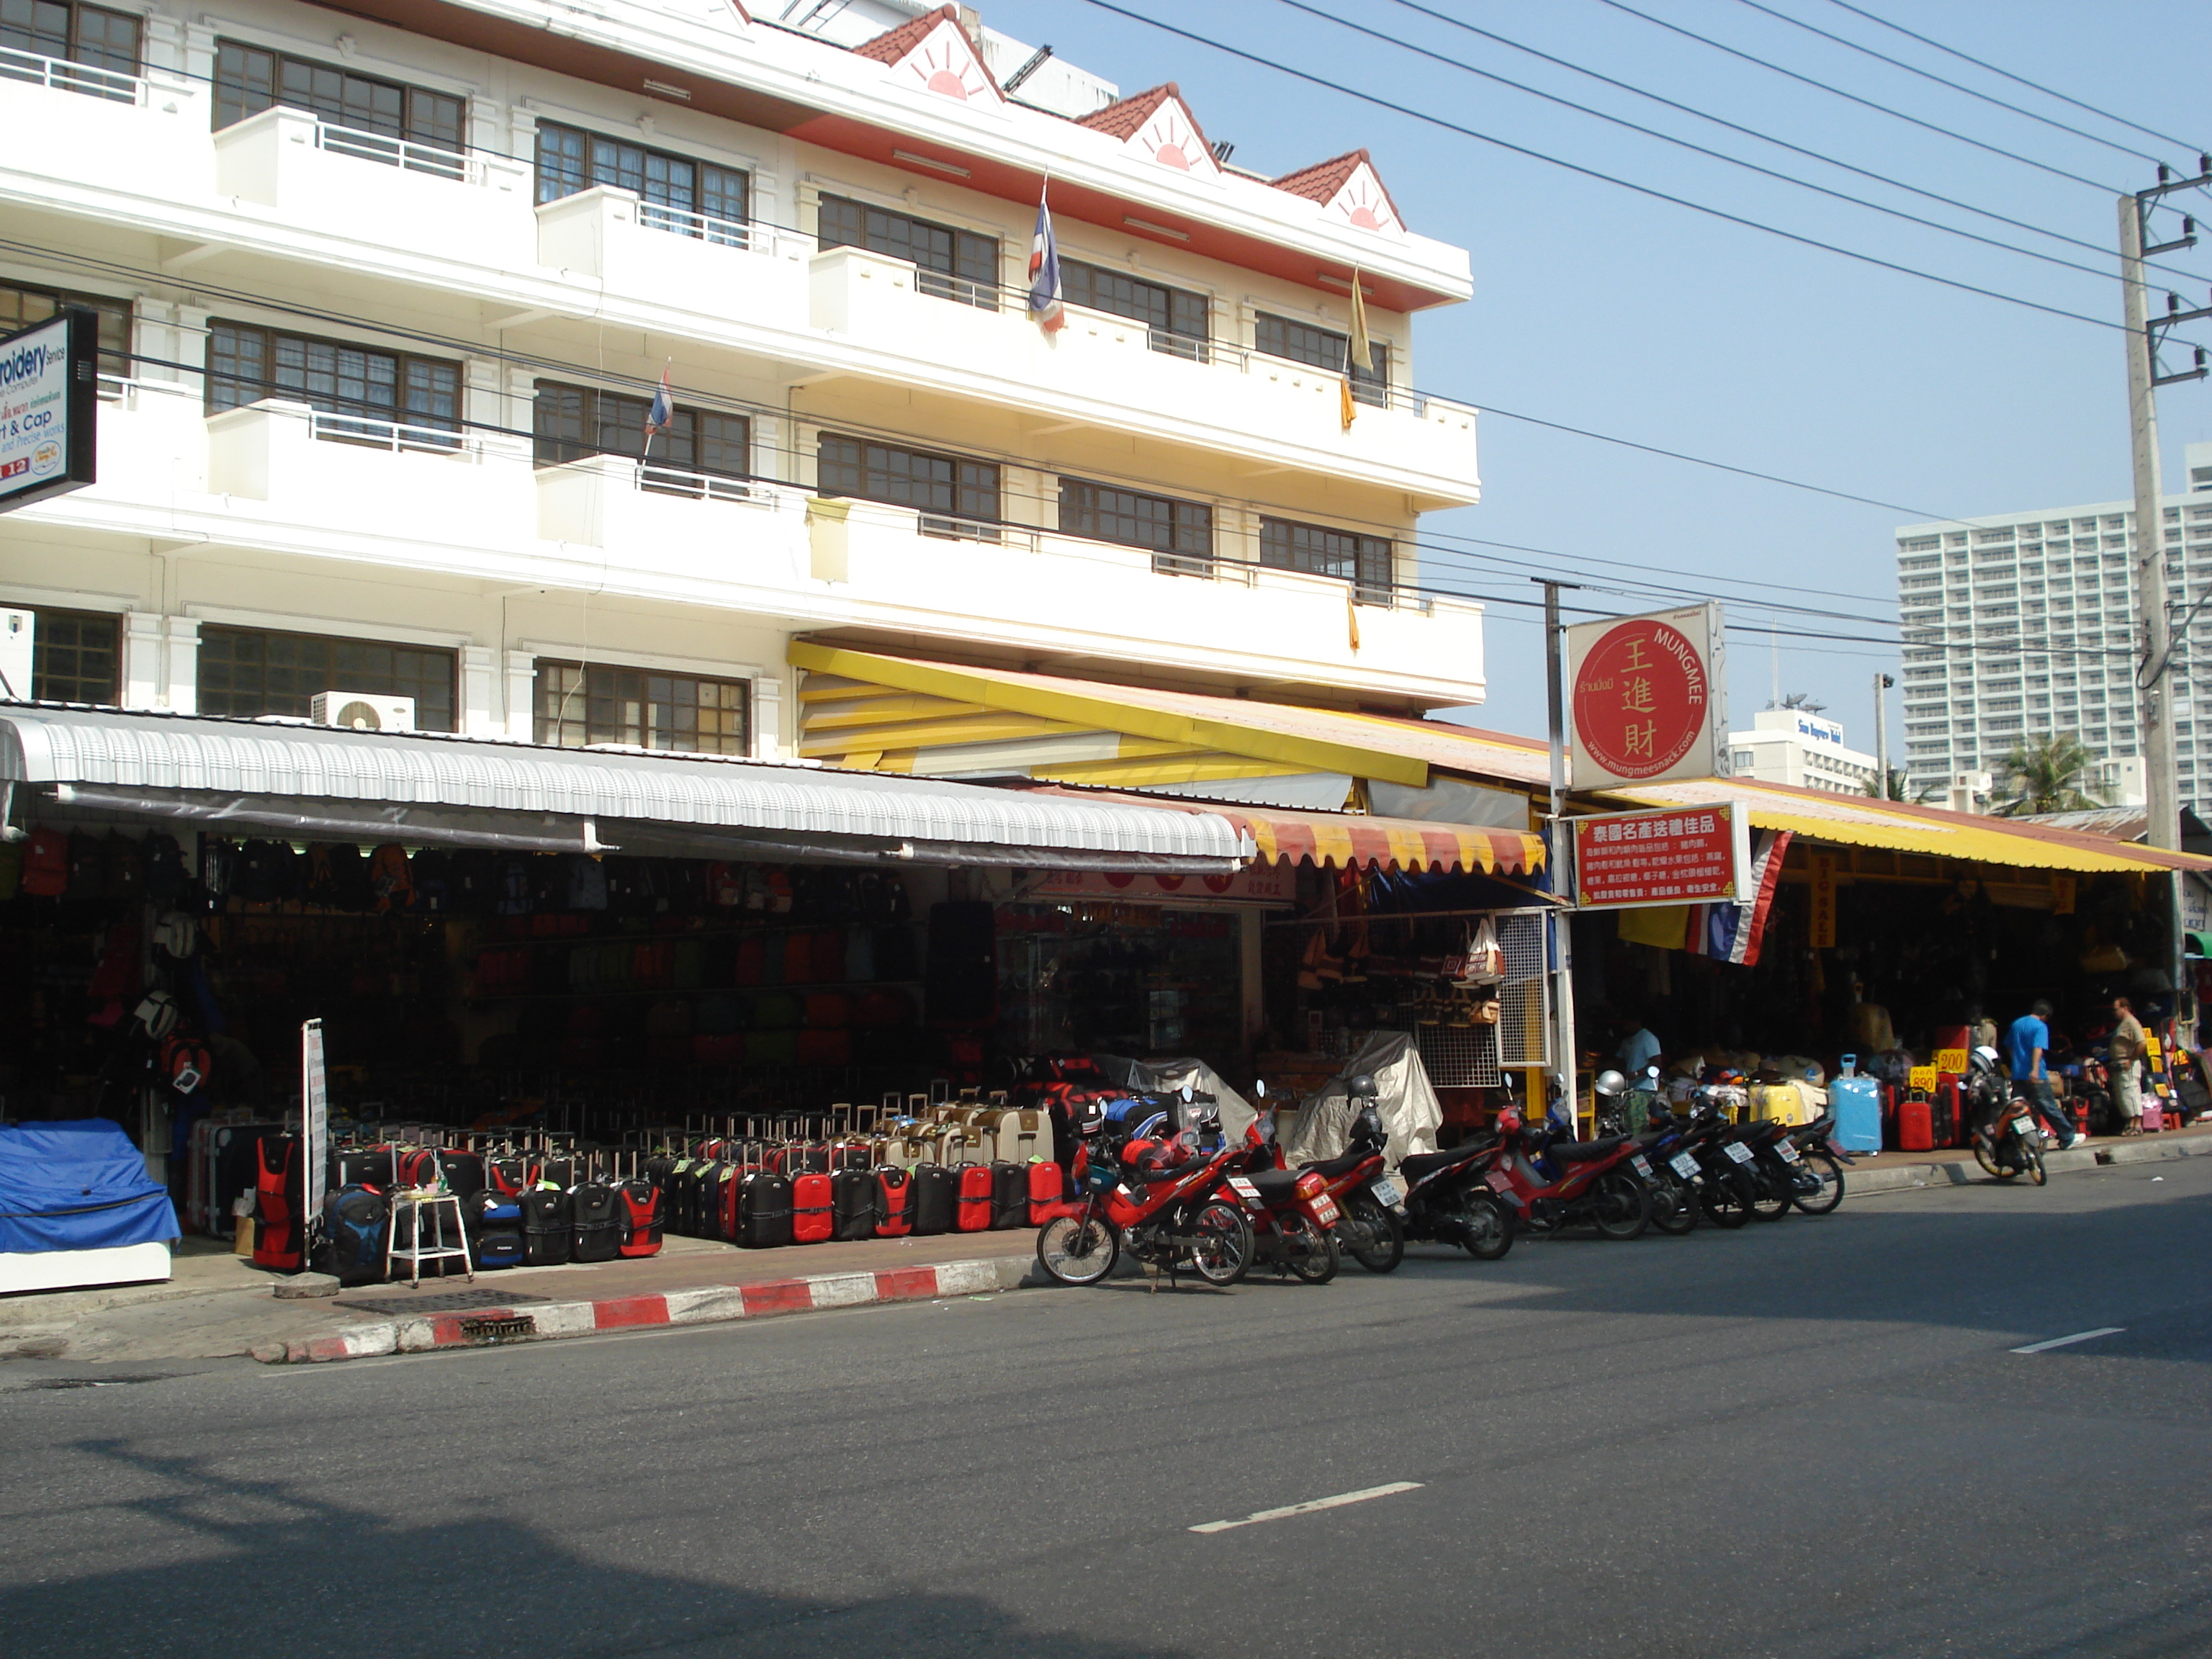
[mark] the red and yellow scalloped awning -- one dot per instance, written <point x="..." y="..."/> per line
<point x="1345" y="841"/>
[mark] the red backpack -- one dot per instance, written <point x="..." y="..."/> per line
<point x="46" y="863"/>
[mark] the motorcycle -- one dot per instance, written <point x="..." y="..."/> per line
<point x="1659" y="1160"/>
<point x="1291" y="1211"/>
<point x="1815" y="1165"/>
<point x="1552" y="1184"/>
<point x="1445" y="1200"/>
<point x="2008" y="1141"/>
<point x="1167" y="1214"/>
<point x="1368" y="1228"/>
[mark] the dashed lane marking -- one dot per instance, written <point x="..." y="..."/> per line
<point x="1307" y="1508"/>
<point x="2078" y="1336"/>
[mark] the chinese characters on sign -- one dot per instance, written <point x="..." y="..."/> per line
<point x="1824" y="901"/>
<point x="1645" y="698"/>
<point x="1689" y="857"/>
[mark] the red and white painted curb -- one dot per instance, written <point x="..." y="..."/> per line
<point x="712" y="1304"/>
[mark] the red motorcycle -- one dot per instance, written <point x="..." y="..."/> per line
<point x="1292" y="1213"/>
<point x="1158" y="1199"/>
<point x="1569" y="1183"/>
<point x="1358" y="1183"/>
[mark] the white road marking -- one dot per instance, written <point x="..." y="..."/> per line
<point x="1337" y="1502"/>
<point x="2078" y="1336"/>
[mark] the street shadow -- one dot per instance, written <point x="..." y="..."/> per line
<point x="265" y="1566"/>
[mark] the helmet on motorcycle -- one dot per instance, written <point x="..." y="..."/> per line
<point x="1361" y="1086"/>
<point x="1509" y="1122"/>
<point x="1610" y="1084"/>
<point x="1149" y="1158"/>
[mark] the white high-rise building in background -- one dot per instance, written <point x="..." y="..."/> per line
<point x="1799" y="746"/>
<point x="2020" y="624"/>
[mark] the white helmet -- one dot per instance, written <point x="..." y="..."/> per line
<point x="1610" y="1083"/>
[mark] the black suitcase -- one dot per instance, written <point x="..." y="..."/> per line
<point x="1010" y="1195"/>
<point x="356" y="1227"/>
<point x="597" y="1219"/>
<point x="852" y="1204"/>
<point x="548" y="1227"/>
<point x="361" y="1166"/>
<point x="464" y="1173"/>
<point x="682" y="1198"/>
<point x="935" y="1189"/>
<point x="764" y="1210"/>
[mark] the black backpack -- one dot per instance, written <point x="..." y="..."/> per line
<point x="357" y="1227"/>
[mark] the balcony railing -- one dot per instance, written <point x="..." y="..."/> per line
<point x="400" y="437"/>
<point x="698" y="486"/>
<point x="412" y="156"/>
<point x="65" y="76"/>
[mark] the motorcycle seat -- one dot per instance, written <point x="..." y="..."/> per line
<point x="1583" y="1151"/>
<point x="1275" y="1185"/>
<point x="1332" y="1168"/>
<point x="1421" y="1165"/>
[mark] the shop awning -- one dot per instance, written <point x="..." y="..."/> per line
<point x="320" y="782"/>
<point x="1902" y="826"/>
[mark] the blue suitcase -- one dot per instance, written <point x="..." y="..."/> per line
<point x="1857" y="1104"/>
<point x="495" y="1232"/>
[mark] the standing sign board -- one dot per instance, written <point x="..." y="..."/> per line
<point x="49" y="407"/>
<point x="1647" y="698"/>
<point x="314" y="1121"/>
<point x="1683" y="855"/>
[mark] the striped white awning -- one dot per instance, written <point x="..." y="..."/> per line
<point x="322" y="782"/>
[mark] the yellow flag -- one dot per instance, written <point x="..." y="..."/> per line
<point x="1359" y="350"/>
<point x="1351" y="612"/>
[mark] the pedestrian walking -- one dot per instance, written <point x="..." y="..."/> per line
<point x="2027" y="1045"/>
<point x="2124" y="1051"/>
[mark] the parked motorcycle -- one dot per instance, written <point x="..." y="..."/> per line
<point x="1559" y="1183"/>
<point x="2008" y="1140"/>
<point x="1445" y="1200"/>
<point x="1816" y="1164"/>
<point x="1167" y="1213"/>
<point x="1291" y="1211"/>
<point x="1368" y="1227"/>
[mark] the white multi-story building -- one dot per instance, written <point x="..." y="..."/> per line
<point x="2022" y="624"/>
<point x="386" y="294"/>
<point x="1796" y="746"/>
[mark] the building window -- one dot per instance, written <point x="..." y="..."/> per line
<point x="364" y="391"/>
<point x="74" y="658"/>
<point x="20" y="307"/>
<point x="1320" y="551"/>
<point x="1178" y="320"/>
<point x="954" y="496"/>
<point x="1321" y="348"/>
<point x="692" y="198"/>
<point x="579" y="704"/>
<point x="954" y="263"/>
<point x="251" y="671"/>
<point x="378" y="116"/>
<point x="104" y="44"/>
<point x="699" y="446"/>
<point x="1180" y="533"/>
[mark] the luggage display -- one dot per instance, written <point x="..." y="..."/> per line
<point x="1948" y="1120"/>
<point x="361" y="1166"/>
<point x="1916" y="1131"/>
<point x="596" y="1220"/>
<point x="813" y="1211"/>
<point x="548" y="1227"/>
<point x="509" y="1176"/>
<point x="357" y="1227"/>
<point x="972" y="1199"/>
<point x="1856" y="1102"/>
<point x="234" y="1169"/>
<point x="936" y="1190"/>
<point x="852" y="1204"/>
<point x="637" y="1206"/>
<point x="894" y="1201"/>
<point x="279" y="1204"/>
<point x="1047" y="1186"/>
<point x="464" y="1174"/>
<point x="1010" y="1195"/>
<point x="764" y="1206"/>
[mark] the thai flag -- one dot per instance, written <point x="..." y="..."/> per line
<point x="662" y="414"/>
<point x="1044" y="274"/>
<point x="1733" y="933"/>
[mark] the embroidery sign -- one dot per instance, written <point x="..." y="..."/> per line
<point x="1647" y="698"/>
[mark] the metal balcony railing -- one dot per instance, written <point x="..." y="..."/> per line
<point x="400" y="437"/>
<point x="64" y="76"/>
<point x="405" y="152"/>
<point x="697" y="486"/>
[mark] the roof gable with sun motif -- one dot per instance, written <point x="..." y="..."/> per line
<point x="1158" y="126"/>
<point x="1347" y="187"/>
<point x="932" y="53"/>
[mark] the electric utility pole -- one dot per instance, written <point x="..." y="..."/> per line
<point x="1562" y="854"/>
<point x="2162" y="788"/>
<point x="1881" y="685"/>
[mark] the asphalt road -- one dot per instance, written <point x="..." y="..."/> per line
<point x="1806" y="1438"/>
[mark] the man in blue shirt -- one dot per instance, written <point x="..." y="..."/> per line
<point x="2025" y="1045"/>
<point x="1639" y="1050"/>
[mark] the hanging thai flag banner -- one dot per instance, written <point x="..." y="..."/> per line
<point x="1733" y="933"/>
<point x="662" y="414"/>
<point x="1044" y="274"/>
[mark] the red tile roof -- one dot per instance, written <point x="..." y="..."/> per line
<point x="1320" y="181"/>
<point x="1122" y="120"/>
<point x="893" y="45"/>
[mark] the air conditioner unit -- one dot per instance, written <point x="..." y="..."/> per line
<point x="364" y="711"/>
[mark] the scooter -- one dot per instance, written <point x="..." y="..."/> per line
<point x="1369" y="1229"/>
<point x="1292" y="1213"/>
<point x="1168" y="1212"/>
<point x="2009" y="1142"/>
<point x="1445" y="1198"/>
<point x="1576" y="1182"/>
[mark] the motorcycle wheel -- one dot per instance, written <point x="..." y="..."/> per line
<point x="1309" y="1249"/>
<point x="1770" y="1190"/>
<point x="2033" y="1155"/>
<point x="1073" y="1253"/>
<point x="1226" y="1256"/>
<point x="1828" y="1169"/>
<point x="1674" y="1206"/>
<point x="1728" y="1198"/>
<point x="1374" y="1235"/>
<point x="1992" y="1163"/>
<point x="1489" y="1229"/>
<point x="1621" y="1207"/>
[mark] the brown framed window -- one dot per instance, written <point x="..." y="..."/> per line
<point x="253" y="670"/>
<point x="378" y="116"/>
<point x="103" y="42"/>
<point x="954" y="495"/>
<point x="671" y="189"/>
<point x="580" y="703"/>
<point x="954" y="263"/>
<point x="20" y="307"/>
<point x="1323" y="347"/>
<point x="699" y="446"/>
<point x="76" y="656"/>
<point x="1179" y="320"/>
<point x="1180" y="533"/>
<point x="246" y="363"/>
<point x="1363" y="560"/>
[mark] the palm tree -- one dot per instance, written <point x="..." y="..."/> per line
<point x="2050" y="773"/>
<point x="1893" y="787"/>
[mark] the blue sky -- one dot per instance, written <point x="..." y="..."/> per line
<point x="1599" y="308"/>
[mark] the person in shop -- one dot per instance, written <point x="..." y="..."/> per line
<point x="2124" y="1053"/>
<point x="2027" y="1046"/>
<point x="1639" y="1050"/>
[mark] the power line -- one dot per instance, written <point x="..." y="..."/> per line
<point x="2018" y="80"/>
<point x="1852" y="97"/>
<point x="2111" y="275"/>
<point x="1592" y="173"/>
<point x="1929" y="74"/>
<point x="1769" y="138"/>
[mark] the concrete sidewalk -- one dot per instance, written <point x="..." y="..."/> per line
<point x="1889" y="1172"/>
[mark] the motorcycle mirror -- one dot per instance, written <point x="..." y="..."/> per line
<point x="1186" y="1094"/>
<point x="1260" y="1089"/>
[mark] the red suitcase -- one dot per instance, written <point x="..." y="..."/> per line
<point x="638" y="1204"/>
<point x="1048" y="1186"/>
<point x="1947" y="1128"/>
<point x="972" y="1209"/>
<point x="1915" y="1127"/>
<point x="811" y="1207"/>
<point x="279" y="1195"/>
<point x="894" y="1202"/>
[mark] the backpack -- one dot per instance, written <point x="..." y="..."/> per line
<point x="356" y="1222"/>
<point x="387" y="877"/>
<point x="122" y="869"/>
<point x="184" y="1061"/>
<point x="586" y="882"/>
<point x="45" y="864"/>
<point x="87" y="866"/>
<point x="161" y="869"/>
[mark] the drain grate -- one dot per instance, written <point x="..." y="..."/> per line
<point x="452" y="1301"/>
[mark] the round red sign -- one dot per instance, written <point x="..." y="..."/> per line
<point x="1640" y="699"/>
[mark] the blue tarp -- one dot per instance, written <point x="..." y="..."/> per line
<point x="78" y="1186"/>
